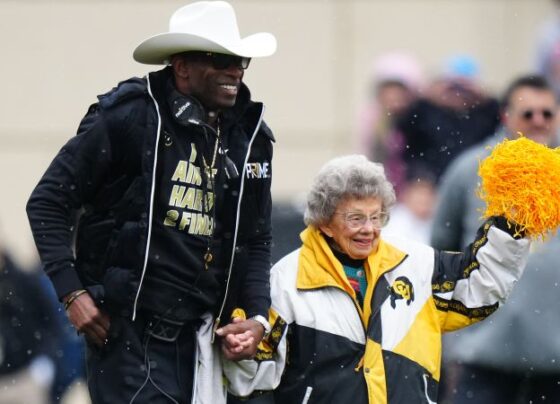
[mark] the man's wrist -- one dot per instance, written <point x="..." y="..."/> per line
<point x="264" y="322"/>
<point x="70" y="298"/>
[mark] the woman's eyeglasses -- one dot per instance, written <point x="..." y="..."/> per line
<point x="358" y="220"/>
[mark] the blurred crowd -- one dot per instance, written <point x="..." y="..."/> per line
<point x="430" y="133"/>
<point x="431" y="138"/>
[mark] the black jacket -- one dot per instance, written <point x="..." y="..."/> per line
<point x="436" y="135"/>
<point x="106" y="174"/>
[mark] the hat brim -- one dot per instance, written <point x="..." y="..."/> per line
<point x="157" y="49"/>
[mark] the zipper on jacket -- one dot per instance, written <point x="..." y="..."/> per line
<point x="374" y="313"/>
<point x="150" y="215"/>
<point x="360" y="364"/>
<point x="241" y="189"/>
<point x="152" y="193"/>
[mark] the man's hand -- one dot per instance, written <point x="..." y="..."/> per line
<point x="88" y="319"/>
<point x="240" y="338"/>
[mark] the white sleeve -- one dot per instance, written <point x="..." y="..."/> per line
<point x="265" y="371"/>
<point x="501" y="264"/>
<point x="262" y="373"/>
<point x="468" y="287"/>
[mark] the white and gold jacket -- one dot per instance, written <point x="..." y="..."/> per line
<point x="325" y="348"/>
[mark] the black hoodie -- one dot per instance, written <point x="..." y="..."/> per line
<point x="105" y="175"/>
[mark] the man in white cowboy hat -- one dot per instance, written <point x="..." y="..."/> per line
<point x="170" y="177"/>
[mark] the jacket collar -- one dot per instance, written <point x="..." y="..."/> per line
<point x="245" y="111"/>
<point x="319" y="268"/>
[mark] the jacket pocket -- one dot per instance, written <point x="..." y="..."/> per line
<point x="120" y="285"/>
<point x="126" y="248"/>
<point x="92" y="243"/>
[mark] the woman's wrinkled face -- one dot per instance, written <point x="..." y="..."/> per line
<point x="356" y="225"/>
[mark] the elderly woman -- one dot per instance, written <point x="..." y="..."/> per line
<point x="358" y="318"/>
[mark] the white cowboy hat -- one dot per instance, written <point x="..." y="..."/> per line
<point x="205" y="26"/>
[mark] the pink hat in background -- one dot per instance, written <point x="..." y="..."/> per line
<point x="398" y="66"/>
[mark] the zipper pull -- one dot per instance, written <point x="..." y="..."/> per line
<point x="214" y="328"/>
<point x="359" y="365"/>
<point x="207" y="258"/>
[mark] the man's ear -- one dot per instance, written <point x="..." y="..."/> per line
<point x="180" y="67"/>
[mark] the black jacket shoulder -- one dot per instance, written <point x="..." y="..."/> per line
<point x="267" y="131"/>
<point x="124" y="91"/>
<point x="123" y="106"/>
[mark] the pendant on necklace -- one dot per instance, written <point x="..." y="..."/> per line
<point x="207" y="259"/>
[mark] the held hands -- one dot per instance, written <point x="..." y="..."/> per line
<point x="240" y="338"/>
<point x="87" y="318"/>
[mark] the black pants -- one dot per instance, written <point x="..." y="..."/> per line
<point x="146" y="361"/>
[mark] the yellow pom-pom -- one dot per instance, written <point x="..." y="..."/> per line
<point x="521" y="181"/>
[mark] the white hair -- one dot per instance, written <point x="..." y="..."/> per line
<point x="351" y="176"/>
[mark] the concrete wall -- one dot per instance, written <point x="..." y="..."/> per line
<point x="57" y="55"/>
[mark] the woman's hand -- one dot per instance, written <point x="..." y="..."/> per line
<point x="240" y="338"/>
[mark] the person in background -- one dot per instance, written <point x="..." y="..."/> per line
<point x="412" y="215"/>
<point x="357" y="317"/>
<point x="395" y="83"/>
<point x="70" y="369"/>
<point x="547" y="50"/>
<point x="28" y="336"/>
<point x="516" y="355"/>
<point x="454" y="113"/>
<point x="528" y="107"/>
<point x="170" y="178"/>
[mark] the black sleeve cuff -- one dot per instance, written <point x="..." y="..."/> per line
<point x="512" y="228"/>
<point x="65" y="281"/>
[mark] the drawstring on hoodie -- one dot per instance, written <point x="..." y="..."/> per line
<point x="360" y="364"/>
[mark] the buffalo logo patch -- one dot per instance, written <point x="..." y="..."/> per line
<point x="402" y="289"/>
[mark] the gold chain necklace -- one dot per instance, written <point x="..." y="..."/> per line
<point x="208" y="257"/>
<point x="214" y="154"/>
